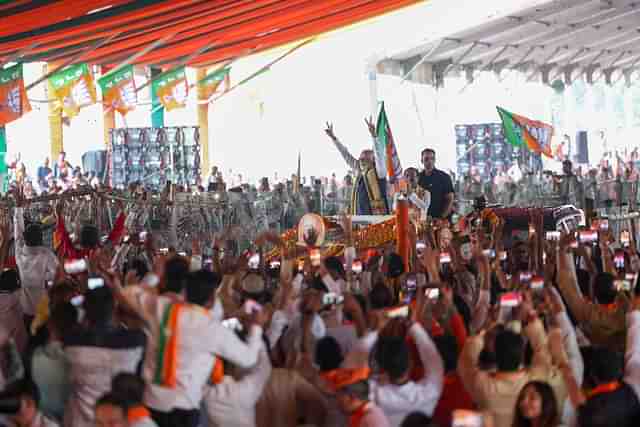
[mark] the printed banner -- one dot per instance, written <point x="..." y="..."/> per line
<point x="74" y="88"/>
<point x="13" y="97"/>
<point x="211" y="83"/>
<point x="172" y="89"/>
<point x="519" y="130"/>
<point x="119" y="90"/>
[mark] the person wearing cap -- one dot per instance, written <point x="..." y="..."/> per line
<point x="351" y="388"/>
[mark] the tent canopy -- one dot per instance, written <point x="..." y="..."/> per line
<point x="555" y="39"/>
<point x="203" y="32"/>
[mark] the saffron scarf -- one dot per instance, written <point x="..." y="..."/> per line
<point x="167" y="358"/>
<point x="356" y="418"/>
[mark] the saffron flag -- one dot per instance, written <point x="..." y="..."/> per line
<point x="74" y="88"/>
<point x="519" y="131"/>
<point x="119" y="90"/>
<point x="172" y="89"/>
<point x="387" y="158"/>
<point x="211" y="83"/>
<point x="13" y="97"/>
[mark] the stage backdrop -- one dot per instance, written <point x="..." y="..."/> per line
<point x="482" y="149"/>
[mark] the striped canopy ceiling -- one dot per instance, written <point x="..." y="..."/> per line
<point x="167" y="32"/>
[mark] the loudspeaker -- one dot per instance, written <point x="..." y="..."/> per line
<point x="582" y="147"/>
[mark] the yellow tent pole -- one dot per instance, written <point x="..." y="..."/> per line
<point x="55" y="118"/>
<point x="203" y="122"/>
<point x="109" y="115"/>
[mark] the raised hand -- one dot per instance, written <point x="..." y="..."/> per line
<point x="371" y="126"/>
<point x="329" y="131"/>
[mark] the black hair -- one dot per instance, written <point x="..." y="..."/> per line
<point x="416" y="419"/>
<point x="603" y="289"/>
<point x="89" y="236"/>
<point x="201" y="286"/>
<point x="33" y="235"/>
<point x="509" y="351"/>
<point x="139" y="266"/>
<point x="98" y="306"/>
<point x="448" y="348"/>
<point x="427" y="150"/>
<point x="333" y="263"/>
<point x="380" y="297"/>
<point x="605" y="365"/>
<point x="549" y="414"/>
<point x="19" y="389"/>
<point x="63" y="318"/>
<point x="584" y="280"/>
<point x="463" y="309"/>
<point x="328" y="354"/>
<point x="111" y="399"/>
<point x="176" y="271"/>
<point x="318" y="285"/>
<point x="391" y="355"/>
<point x="9" y="281"/>
<point x="128" y="387"/>
<point x="362" y="301"/>
<point x="395" y="265"/>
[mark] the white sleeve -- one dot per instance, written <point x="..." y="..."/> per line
<point x="359" y="354"/>
<point x="570" y="343"/>
<point x="433" y="381"/>
<point x="279" y="321"/>
<point x="18" y="224"/>
<point x="224" y="343"/>
<point x="218" y="310"/>
<point x="250" y="387"/>
<point x="632" y="355"/>
<point x="332" y="284"/>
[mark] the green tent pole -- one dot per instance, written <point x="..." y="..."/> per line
<point x="157" y="113"/>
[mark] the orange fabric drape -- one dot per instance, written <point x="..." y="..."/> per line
<point x="51" y="14"/>
<point x="316" y="26"/>
<point x="102" y="24"/>
<point x="236" y="26"/>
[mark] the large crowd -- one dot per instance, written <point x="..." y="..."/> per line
<point x="107" y="321"/>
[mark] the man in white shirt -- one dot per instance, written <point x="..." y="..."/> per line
<point x="37" y="264"/>
<point x="200" y="338"/>
<point x="231" y="402"/>
<point x="26" y="396"/>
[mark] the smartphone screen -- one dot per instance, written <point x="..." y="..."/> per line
<point x="625" y="237"/>
<point x="553" y="236"/>
<point x="510" y="299"/>
<point x="466" y="418"/>
<point x="331" y="298"/>
<point x="76" y="266"/>
<point x="356" y="267"/>
<point x="525" y="276"/>
<point x="432" y="293"/>
<point x="445" y="258"/>
<point x="588" y="236"/>
<point x="254" y="261"/>
<point x="537" y="284"/>
<point x="618" y="260"/>
<point x="95" y="282"/>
